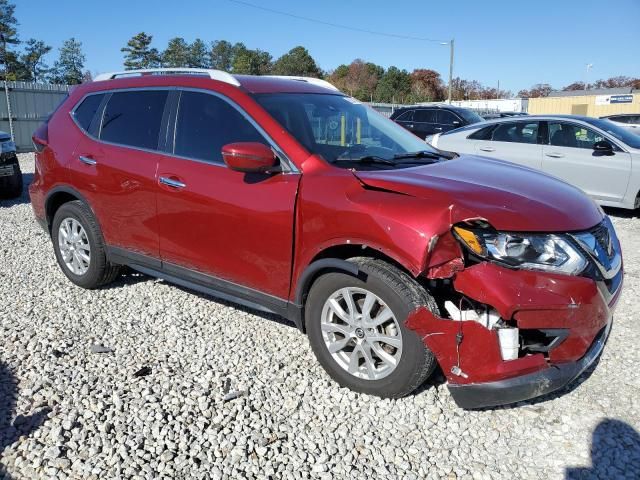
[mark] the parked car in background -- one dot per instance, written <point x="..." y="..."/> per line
<point x="494" y="115"/>
<point x="596" y="155"/>
<point x="626" y="120"/>
<point x="10" y="173"/>
<point x="290" y="197"/>
<point x="432" y="119"/>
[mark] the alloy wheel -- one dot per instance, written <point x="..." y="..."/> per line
<point x="74" y="246"/>
<point x="361" y="333"/>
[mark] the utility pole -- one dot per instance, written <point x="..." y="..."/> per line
<point x="451" y="45"/>
<point x="586" y="77"/>
<point x="6" y="87"/>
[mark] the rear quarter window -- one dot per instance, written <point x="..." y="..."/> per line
<point x="86" y="110"/>
<point x="134" y="118"/>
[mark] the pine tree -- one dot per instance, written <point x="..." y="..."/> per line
<point x="298" y="61"/>
<point x="198" y="54"/>
<point x="32" y="59"/>
<point x="139" y="54"/>
<point x="221" y="55"/>
<point x="8" y="37"/>
<point x="177" y="53"/>
<point x="68" y="69"/>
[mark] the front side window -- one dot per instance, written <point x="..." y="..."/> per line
<point x="134" y="118"/>
<point x="483" y="133"/>
<point x="445" y="117"/>
<point x="405" y="116"/>
<point x="572" y="135"/>
<point x="516" y="132"/>
<point x="341" y="129"/>
<point x="206" y="123"/>
<point x="425" y="115"/>
<point x="85" y="112"/>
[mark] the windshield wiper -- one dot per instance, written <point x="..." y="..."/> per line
<point x="420" y="154"/>
<point x="368" y="159"/>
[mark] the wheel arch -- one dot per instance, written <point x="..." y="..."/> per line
<point x="60" y="195"/>
<point x="335" y="258"/>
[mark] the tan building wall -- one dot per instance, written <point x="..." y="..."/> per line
<point x="581" y="105"/>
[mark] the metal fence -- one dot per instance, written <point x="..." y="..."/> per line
<point x="27" y="104"/>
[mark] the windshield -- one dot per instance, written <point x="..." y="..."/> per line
<point x="622" y="134"/>
<point x="341" y="129"/>
<point x="470" y="116"/>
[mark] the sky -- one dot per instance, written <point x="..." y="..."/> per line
<point x="514" y="43"/>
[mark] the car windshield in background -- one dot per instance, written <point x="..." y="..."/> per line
<point x="470" y="116"/>
<point x="344" y="131"/>
<point x="630" y="138"/>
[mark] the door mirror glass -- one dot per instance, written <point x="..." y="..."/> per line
<point x="603" y="147"/>
<point x="249" y="157"/>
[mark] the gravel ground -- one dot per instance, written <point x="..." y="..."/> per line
<point x="68" y="410"/>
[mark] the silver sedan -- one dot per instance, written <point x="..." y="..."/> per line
<point x="593" y="154"/>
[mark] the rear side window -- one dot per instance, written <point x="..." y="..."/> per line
<point x="85" y="112"/>
<point x="134" y="118"/>
<point x="482" y="134"/>
<point x="425" y="115"/>
<point x="206" y="123"/>
<point x="517" y="132"/>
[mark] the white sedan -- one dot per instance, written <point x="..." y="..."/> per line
<point x="593" y="154"/>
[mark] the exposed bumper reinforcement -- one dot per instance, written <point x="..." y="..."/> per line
<point x="503" y="392"/>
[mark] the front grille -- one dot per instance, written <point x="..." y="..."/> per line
<point x="601" y="246"/>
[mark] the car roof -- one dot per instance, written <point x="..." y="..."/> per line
<point x="530" y="118"/>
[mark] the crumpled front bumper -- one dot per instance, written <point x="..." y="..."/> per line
<point x="469" y="353"/>
<point x="524" y="387"/>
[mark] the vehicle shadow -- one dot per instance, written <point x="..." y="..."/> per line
<point x="27" y="178"/>
<point x="131" y="277"/>
<point x="615" y="453"/>
<point x="22" y="425"/>
<point x="622" y="212"/>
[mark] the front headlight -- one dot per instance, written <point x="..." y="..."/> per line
<point x="546" y="252"/>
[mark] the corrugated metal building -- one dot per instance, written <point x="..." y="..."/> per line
<point x="594" y="103"/>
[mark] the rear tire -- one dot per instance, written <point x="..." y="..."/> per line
<point x="79" y="246"/>
<point x="390" y="360"/>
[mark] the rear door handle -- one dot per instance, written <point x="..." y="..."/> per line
<point x="87" y="160"/>
<point x="487" y="149"/>
<point x="438" y="128"/>
<point x="170" y="182"/>
<point x="555" y="155"/>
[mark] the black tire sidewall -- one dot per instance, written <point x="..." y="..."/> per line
<point x="413" y="350"/>
<point x="77" y="211"/>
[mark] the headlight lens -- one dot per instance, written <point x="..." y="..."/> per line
<point x="546" y="252"/>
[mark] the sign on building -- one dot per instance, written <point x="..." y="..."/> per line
<point x="613" y="99"/>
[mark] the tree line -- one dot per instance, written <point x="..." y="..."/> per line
<point x="366" y="81"/>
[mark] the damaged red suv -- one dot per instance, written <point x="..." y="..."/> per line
<point x="285" y="195"/>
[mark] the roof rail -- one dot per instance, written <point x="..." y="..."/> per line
<point x="312" y="80"/>
<point x="213" y="74"/>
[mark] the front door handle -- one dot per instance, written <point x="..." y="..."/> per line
<point x="487" y="149"/>
<point x="170" y="182"/>
<point x="87" y="160"/>
<point x="438" y="128"/>
<point x="555" y="155"/>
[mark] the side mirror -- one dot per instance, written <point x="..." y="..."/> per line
<point x="249" y="157"/>
<point x="603" y="148"/>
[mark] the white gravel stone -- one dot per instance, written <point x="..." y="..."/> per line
<point x="84" y="415"/>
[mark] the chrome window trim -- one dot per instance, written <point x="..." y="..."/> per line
<point x="284" y="159"/>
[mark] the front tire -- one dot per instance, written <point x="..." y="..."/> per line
<point x="79" y="246"/>
<point x="356" y="329"/>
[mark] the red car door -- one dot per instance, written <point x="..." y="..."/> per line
<point x="115" y="169"/>
<point x="232" y="226"/>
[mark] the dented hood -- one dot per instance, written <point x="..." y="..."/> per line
<point x="509" y="196"/>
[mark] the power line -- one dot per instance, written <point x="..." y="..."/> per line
<point x="337" y="25"/>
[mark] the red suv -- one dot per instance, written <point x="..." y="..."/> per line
<point x="285" y="195"/>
